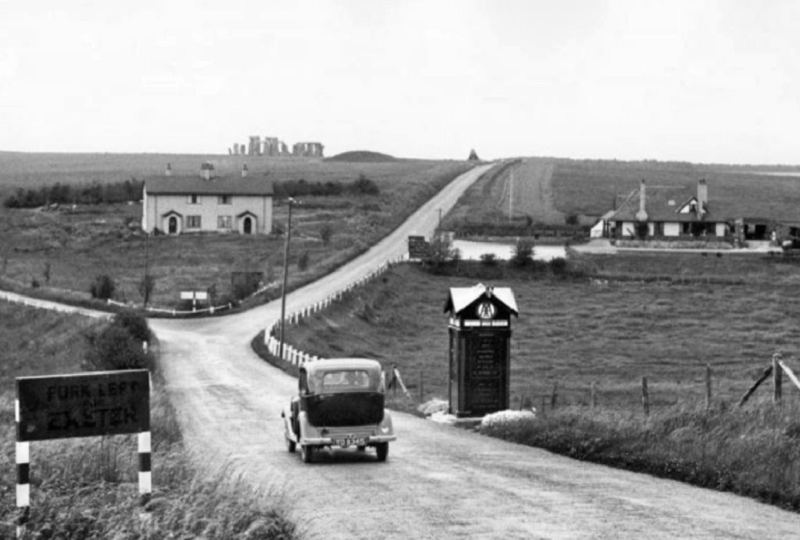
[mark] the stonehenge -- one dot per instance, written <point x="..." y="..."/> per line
<point x="274" y="147"/>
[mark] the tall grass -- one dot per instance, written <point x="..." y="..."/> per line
<point x="88" y="487"/>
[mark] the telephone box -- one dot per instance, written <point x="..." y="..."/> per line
<point x="480" y="349"/>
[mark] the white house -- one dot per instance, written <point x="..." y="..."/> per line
<point x="175" y="204"/>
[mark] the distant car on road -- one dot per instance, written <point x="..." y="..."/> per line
<point x="340" y="403"/>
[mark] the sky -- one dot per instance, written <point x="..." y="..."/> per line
<point x="701" y="81"/>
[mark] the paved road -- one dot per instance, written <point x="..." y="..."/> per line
<point x="439" y="481"/>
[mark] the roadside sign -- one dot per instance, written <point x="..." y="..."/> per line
<point x="83" y="405"/>
<point x="417" y="247"/>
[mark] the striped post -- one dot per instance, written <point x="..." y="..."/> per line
<point x="145" y="478"/>
<point x="23" y="477"/>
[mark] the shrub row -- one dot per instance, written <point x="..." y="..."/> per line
<point x="94" y="193"/>
<point x="300" y="188"/>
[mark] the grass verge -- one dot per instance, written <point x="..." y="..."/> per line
<point x="575" y="332"/>
<point x="88" y="487"/>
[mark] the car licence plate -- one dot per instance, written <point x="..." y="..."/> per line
<point x="344" y="443"/>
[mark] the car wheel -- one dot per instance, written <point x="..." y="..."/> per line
<point x="291" y="445"/>
<point x="307" y="453"/>
<point x="383" y="450"/>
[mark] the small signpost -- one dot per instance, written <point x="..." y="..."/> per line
<point x="82" y="405"/>
<point x="480" y="335"/>
<point x="194" y="296"/>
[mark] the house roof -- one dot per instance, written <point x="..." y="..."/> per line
<point x="722" y="206"/>
<point x="462" y="297"/>
<point x="218" y="185"/>
<point x="664" y="204"/>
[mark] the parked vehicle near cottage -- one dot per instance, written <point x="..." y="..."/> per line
<point x="340" y="403"/>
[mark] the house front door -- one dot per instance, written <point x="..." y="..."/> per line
<point x="247" y="226"/>
<point x="173" y="225"/>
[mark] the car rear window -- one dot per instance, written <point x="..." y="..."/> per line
<point x="345" y="379"/>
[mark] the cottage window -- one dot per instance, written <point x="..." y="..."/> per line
<point x="224" y="199"/>
<point x="224" y="222"/>
<point x="194" y="199"/>
<point x="192" y="222"/>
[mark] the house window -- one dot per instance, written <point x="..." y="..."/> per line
<point x="224" y="222"/>
<point x="194" y="199"/>
<point x="686" y="228"/>
<point x="192" y="222"/>
<point x="224" y="199"/>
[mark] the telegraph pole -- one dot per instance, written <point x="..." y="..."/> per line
<point x="285" y="274"/>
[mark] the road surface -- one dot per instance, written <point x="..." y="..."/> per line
<point x="439" y="481"/>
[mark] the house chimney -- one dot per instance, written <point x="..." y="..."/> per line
<point x="206" y="170"/>
<point x="641" y="215"/>
<point x="244" y="170"/>
<point x="702" y="198"/>
<point x="168" y="172"/>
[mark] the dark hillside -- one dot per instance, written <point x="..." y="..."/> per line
<point x="362" y="156"/>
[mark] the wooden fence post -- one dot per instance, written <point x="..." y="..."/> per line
<point x="645" y="397"/>
<point x="777" y="378"/>
<point x="593" y="400"/>
<point x="544" y="402"/>
<point x="421" y="385"/>
<point x="708" y="386"/>
<point x="554" y="397"/>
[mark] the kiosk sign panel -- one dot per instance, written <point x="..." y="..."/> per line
<point x="83" y="405"/>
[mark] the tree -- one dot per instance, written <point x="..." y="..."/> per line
<point x="103" y="287"/>
<point x="325" y="234"/>
<point x="523" y="253"/>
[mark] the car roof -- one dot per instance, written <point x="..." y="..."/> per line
<point x="333" y="364"/>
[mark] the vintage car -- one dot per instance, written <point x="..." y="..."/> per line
<point x="339" y="404"/>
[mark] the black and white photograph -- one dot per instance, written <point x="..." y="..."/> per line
<point x="408" y="269"/>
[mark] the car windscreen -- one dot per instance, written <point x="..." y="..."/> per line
<point x="343" y="380"/>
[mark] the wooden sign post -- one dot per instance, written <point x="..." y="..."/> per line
<point x="480" y="352"/>
<point x="81" y="405"/>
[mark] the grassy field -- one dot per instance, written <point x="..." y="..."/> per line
<point x="88" y="488"/>
<point x="59" y="253"/>
<point x="577" y="331"/>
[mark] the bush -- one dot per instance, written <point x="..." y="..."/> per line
<point x="115" y="348"/>
<point x="302" y="262"/>
<point x="558" y="266"/>
<point x="103" y="287"/>
<point x="488" y="259"/>
<point x="325" y="234"/>
<point x="134" y="324"/>
<point x="523" y="253"/>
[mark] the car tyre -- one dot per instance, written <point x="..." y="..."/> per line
<point x="307" y="453"/>
<point x="383" y="450"/>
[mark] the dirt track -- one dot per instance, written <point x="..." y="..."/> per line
<point x="439" y="481"/>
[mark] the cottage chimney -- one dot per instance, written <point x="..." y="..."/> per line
<point x="168" y="171"/>
<point x="206" y="170"/>
<point x="244" y="170"/>
<point x="641" y="215"/>
<point x="702" y="198"/>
